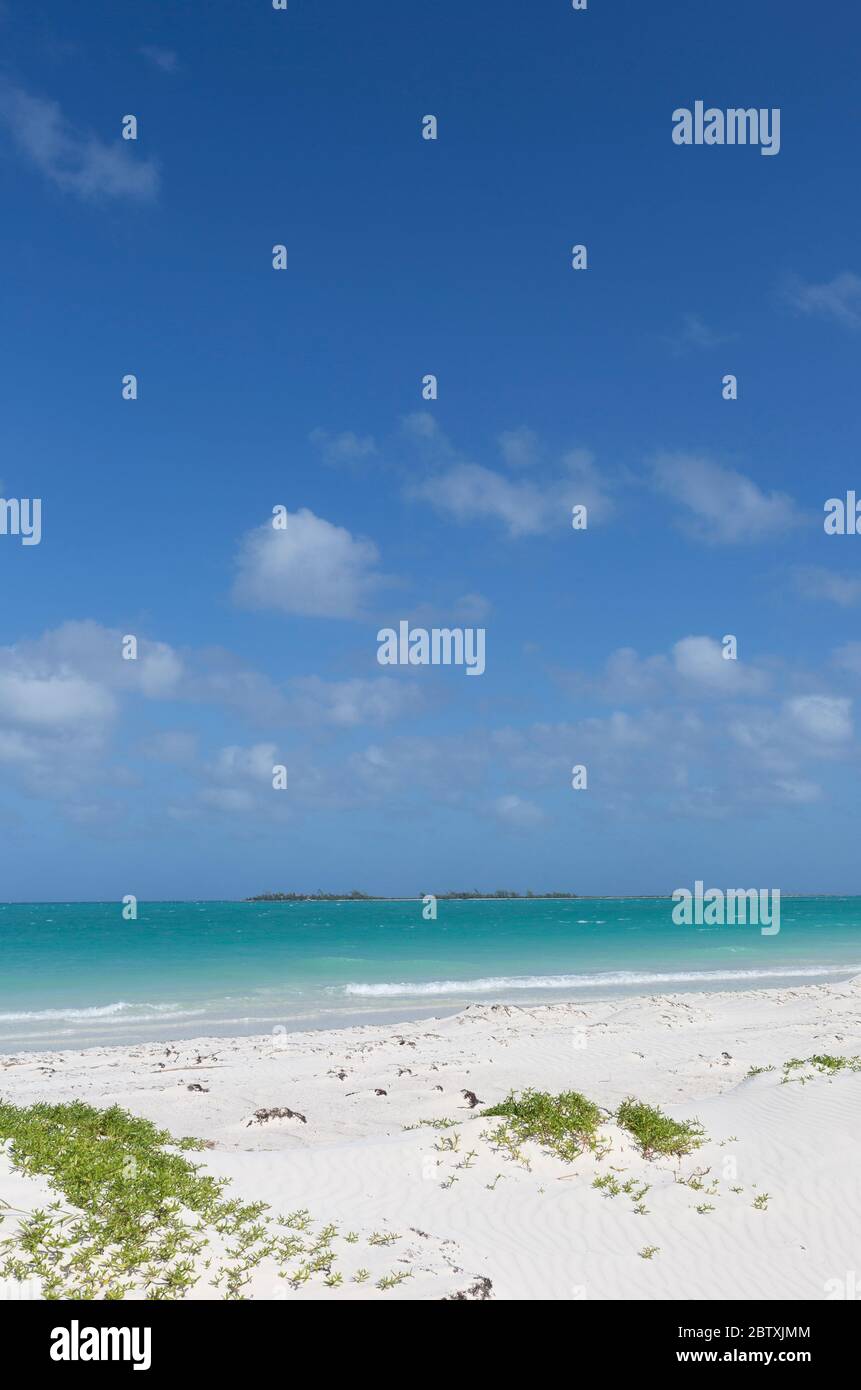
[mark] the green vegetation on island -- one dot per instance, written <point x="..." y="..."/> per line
<point x="357" y="896"/>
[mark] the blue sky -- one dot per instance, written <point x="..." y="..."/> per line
<point x="303" y="388"/>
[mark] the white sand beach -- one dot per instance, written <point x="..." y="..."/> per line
<point x="776" y="1179"/>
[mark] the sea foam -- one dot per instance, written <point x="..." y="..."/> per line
<point x="496" y="984"/>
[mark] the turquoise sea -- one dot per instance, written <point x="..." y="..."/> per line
<point x="77" y="974"/>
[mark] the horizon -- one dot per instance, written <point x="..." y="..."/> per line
<point x="503" y="895"/>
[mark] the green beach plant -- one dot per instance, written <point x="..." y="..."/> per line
<point x="382" y="1238"/>
<point x="390" y="1281"/>
<point x="433" y="1124"/>
<point x="135" y="1216"/>
<point x="656" y="1133"/>
<point x="565" y="1125"/>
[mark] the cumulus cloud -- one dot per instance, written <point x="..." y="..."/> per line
<point x="723" y="507"/>
<point x="302" y="701"/>
<point x="823" y="718"/>
<point x="76" y="162"/>
<point x="520" y="448"/>
<point x="349" y="703"/>
<point x="60" y="698"/>
<point x="694" y="667"/>
<point x="420" y="424"/>
<point x="97" y="652"/>
<point x="171" y="746"/>
<point x="312" y="568"/>
<point x="58" y="701"/>
<point x="626" y="678"/>
<point x="449" y="770"/>
<point x="689" y="761"/>
<point x="712" y="737"/>
<point x="779" y="741"/>
<point x="70" y="675"/>
<point x="701" y="664"/>
<point x="468" y="491"/>
<point x="814" y="582"/>
<point x="66" y="697"/>
<point x="838" y="299"/>
<point x="344" y="448"/>
<point x="254" y="762"/>
<point x="240" y="779"/>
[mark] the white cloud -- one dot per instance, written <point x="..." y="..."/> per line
<point x="724" y="506"/>
<point x="73" y="161"/>
<point x="301" y="701"/>
<point x="517" y="812"/>
<point x="254" y="762"/>
<point x="838" y="299"/>
<point x="472" y="608"/>
<point x="311" y="568"/>
<point x="162" y="58"/>
<point x="815" y="582"/>
<point x="60" y="702"/>
<point x="96" y="652"/>
<point x="16" y="747"/>
<point x="695" y="667"/>
<point x="777" y="741"/>
<point x="626" y="678"/>
<point x="71" y="675"/>
<point x="700" y="662"/>
<point x="346" y="447"/>
<point x="520" y="448"/>
<point x="470" y="492"/>
<point x="420" y="424"/>
<point x="848" y="658"/>
<point x="52" y="701"/>
<point x="693" y="332"/>
<point x="171" y="746"/>
<point x="349" y="703"/>
<point x="240" y="779"/>
<point x="795" y="791"/>
<point x="824" y="718"/>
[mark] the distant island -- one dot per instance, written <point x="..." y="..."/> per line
<point x="356" y="896"/>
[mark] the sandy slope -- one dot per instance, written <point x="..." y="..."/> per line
<point x="542" y="1231"/>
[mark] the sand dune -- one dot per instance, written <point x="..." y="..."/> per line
<point x="465" y="1220"/>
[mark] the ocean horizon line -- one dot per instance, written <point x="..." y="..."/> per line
<point x="396" y="898"/>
